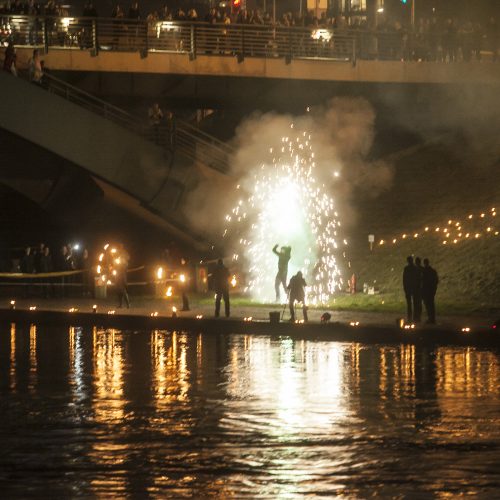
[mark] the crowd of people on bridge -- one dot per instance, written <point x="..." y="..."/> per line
<point x="433" y="39"/>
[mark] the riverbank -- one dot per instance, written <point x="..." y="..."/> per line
<point x="152" y="313"/>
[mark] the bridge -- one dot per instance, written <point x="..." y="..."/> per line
<point x="146" y="174"/>
<point x="256" y="51"/>
<point x="246" y="66"/>
<point x="208" y="63"/>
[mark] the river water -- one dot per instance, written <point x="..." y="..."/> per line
<point x="94" y="412"/>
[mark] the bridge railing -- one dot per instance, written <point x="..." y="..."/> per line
<point x="174" y="36"/>
<point x="176" y="136"/>
<point x="241" y="40"/>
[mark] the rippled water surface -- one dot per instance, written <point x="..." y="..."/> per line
<point x="167" y="414"/>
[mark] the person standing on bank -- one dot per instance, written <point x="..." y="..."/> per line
<point x="284" y="255"/>
<point x="183" y="284"/>
<point x="121" y="280"/>
<point x="410" y="283"/>
<point x="430" y="282"/>
<point x="297" y="292"/>
<point x="417" y="312"/>
<point x="221" y="286"/>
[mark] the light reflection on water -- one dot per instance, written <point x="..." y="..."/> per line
<point x="93" y="412"/>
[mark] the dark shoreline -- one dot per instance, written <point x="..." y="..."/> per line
<point x="484" y="337"/>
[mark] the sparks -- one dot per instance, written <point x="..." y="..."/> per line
<point x="286" y="204"/>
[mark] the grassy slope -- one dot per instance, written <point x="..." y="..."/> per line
<point x="432" y="185"/>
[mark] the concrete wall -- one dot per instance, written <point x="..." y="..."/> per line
<point x="484" y="72"/>
<point x="82" y="137"/>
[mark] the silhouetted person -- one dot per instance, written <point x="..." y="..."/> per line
<point x="430" y="282"/>
<point x="183" y="284"/>
<point x="297" y="292"/>
<point x="155" y="120"/>
<point x="86" y="267"/>
<point x="38" y="256"/>
<point x="28" y="267"/>
<point x="410" y="284"/>
<point x="417" y="311"/>
<point x="28" y="262"/>
<point x="121" y="285"/>
<point x="46" y="267"/>
<point x="89" y="11"/>
<point x="220" y="278"/>
<point x="10" y="59"/>
<point x="35" y="68"/>
<point x="284" y="255"/>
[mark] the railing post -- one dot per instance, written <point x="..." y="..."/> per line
<point x="45" y="35"/>
<point x="192" y="52"/>
<point x="288" y="57"/>
<point x="95" y="43"/>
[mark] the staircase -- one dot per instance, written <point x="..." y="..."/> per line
<point x="179" y="138"/>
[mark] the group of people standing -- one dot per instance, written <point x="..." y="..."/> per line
<point x="38" y="260"/>
<point x="296" y="288"/>
<point x="420" y="285"/>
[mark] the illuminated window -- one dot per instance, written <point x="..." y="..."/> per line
<point x="358" y="4"/>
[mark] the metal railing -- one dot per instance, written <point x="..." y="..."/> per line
<point x="242" y="40"/>
<point x="174" y="36"/>
<point x="177" y="136"/>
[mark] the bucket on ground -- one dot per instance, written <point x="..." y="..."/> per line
<point x="274" y="317"/>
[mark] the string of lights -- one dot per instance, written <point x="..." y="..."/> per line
<point x="473" y="227"/>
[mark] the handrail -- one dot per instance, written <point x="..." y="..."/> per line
<point x="241" y="40"/>
<point x="183" y="137"/>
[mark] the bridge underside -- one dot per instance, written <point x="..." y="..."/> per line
<point x="223" y="82"/>
<point x="63" y="195"/>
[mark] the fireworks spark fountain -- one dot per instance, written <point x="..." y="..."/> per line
<point x="287" y="203"/>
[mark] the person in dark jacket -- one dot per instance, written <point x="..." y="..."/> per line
<point x="297" y="292"/>
<point x="28" y="262"/>
<point x="220" y="278"/>
<point x="417" y="311"/>
<point x="121" y="284"/>
<point x="410" y="285"/>
<point x="430" y="282"/>
<point x="284" y="255"/>
<point x="46" y="267"/>
<point x="184" y="283"/>
<point x="27" y="266"/>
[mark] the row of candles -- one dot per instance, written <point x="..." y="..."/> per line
<point x="403" y="325"/>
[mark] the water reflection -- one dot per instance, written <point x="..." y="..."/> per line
<point x="178" y="414"/>
<point x="171" y="376"/>
<point x="33" y="362"/>
<point x="12" y="373"/>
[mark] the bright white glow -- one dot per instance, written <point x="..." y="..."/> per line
<point x="321" y="34"/>
<point x="287" y="205"/>
<point x="159" y="273"/>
